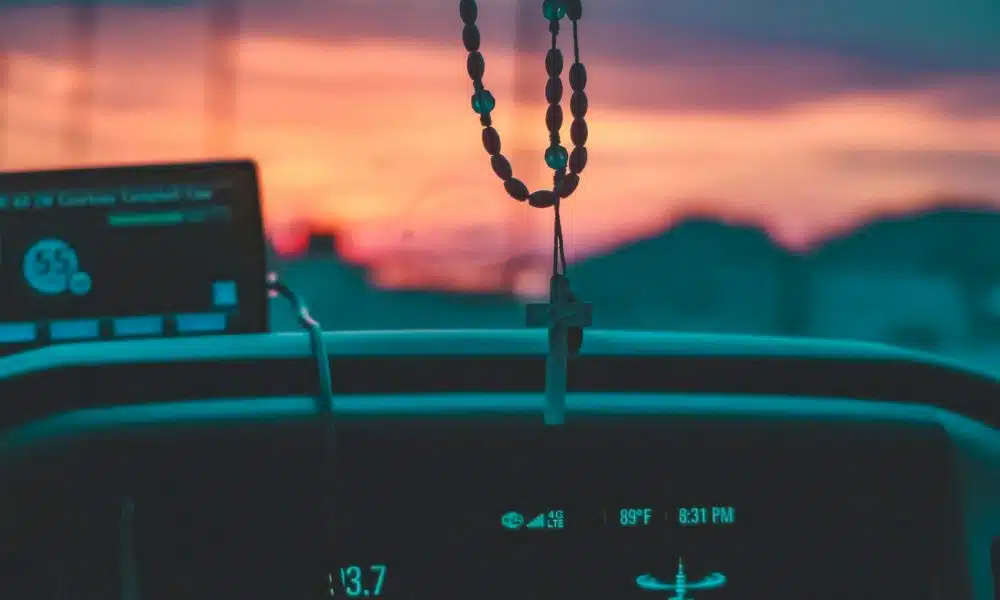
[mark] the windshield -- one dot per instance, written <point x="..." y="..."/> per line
<point x="792" y="168"/>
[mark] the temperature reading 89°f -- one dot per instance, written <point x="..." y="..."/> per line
<point x="632" y="517"/>
<point x="691" y="516"/>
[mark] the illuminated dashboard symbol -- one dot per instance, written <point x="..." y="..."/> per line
<point x="512" y="520"/>
<point x="681" y="586"/>
<point x="52" y="267"/>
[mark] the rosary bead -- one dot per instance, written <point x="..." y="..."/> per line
<point x="516" y="188"/>
<point x="470" y="37"/>
<point x="578" y="132"/>
<point x="554" y="62"/>
<point x="469" y="11"/>
<point x="578" y="160"/>
<point x="476" y="65"/>
<point x="574" y="9"/>
<point x="567" y="185"/>
<point x="566" y="166"/>
<point x="543" y="199"/>
<point x="578" y="104"/>
<point x="578" y="77"/>
<point x="491" y="141"/>
<point x="501" y="166"/>
<point x="483" y="102"/>
<point x="554" y="117"/>
<point x="556" y="157"/>
<point x="553" y="90"/>
<point x="554" y="9"/>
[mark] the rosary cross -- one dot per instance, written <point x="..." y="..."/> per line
<point x="560" y="314"/>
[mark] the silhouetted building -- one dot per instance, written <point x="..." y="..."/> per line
<point x="342" y="297"/>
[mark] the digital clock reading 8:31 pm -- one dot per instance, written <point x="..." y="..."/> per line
<point x="357" y="581"/>
<point x="706" y="515"/>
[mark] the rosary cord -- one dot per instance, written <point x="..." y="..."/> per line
<point x="558" y="245"/>
<point x="576" y="44"/>
<point x="559" y="252"/>
<point x="558" y="249"/>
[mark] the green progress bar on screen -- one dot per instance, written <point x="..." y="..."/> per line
<point x="173" y="217"/>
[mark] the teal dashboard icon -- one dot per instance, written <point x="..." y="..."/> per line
<point x="512" y="520"/>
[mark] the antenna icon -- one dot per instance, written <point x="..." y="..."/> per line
<point x="680" y="586"/>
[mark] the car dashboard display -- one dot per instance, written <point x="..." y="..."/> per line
<point x="644" y="511"/>
<point x="448" y="495"/>
<point x="494" y="510"/>
<point x="127" y="252"/>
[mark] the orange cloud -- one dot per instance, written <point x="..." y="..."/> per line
<point x="376" y="136"/>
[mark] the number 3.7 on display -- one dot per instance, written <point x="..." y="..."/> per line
<point x="355" y="581"/>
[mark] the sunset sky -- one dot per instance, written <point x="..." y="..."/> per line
<point x="803" y="117"/>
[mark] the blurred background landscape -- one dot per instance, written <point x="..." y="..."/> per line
<point x="755" y="167"/>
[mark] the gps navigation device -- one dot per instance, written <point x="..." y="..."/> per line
<point x="127" y="252"/>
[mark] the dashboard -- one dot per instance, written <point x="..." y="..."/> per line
<point x="690" y="467"/>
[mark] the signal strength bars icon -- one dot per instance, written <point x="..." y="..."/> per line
<point x="537" y="523"/>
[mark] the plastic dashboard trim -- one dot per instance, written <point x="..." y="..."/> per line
<point x="58" y="379"/>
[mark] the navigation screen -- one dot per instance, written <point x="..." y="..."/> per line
<point x="127" y="252"/>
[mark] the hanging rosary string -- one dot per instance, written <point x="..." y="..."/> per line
<point x="558" y="243"/>
<point x="567" y="166"/>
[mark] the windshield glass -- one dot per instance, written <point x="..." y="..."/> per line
<point x="791" y="168"/>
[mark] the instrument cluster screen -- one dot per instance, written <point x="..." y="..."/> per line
<point x="128" y="252"/>
<point x="663" y="514"/>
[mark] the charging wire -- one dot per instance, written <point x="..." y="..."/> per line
<point x="316" y="343"/>
<point x="324" y="399"/>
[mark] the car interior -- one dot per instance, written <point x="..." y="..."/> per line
<point x="159" y="441"/>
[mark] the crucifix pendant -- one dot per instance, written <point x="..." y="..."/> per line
<point x="559" y="315"/>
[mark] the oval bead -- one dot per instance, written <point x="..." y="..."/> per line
<point x="578" y="132"/>
<point x="468" y="10"/>
<point x="567" y="185"/>
<point x="543" y="199"/>
<point x="553" y="90"/>
<point x="554" y="62"/>
<point x="554" y="117"/>
<point x="476" y="65"/>
<point x="470" y="38"/>
<point x="491" y="141"/>
<point x="578" y="77"/>
<point x="516" y="189"/>
<point x="578" y="160"/>
<point x="578" y="104"/>
<point x="501" y="166"/>
<point x="574" y="9"/>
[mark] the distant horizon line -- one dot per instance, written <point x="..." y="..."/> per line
<point x="305" y="230"/>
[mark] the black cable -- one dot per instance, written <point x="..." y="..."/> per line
<point x="324" y="402"/>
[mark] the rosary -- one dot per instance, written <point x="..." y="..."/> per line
<point x="564" y="317"/>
